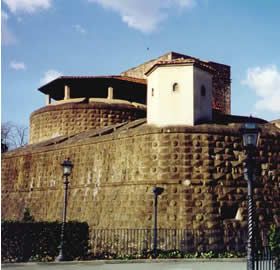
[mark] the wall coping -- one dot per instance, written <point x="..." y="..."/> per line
<point x="132" y="129"/>
<point x="92" y="103"/>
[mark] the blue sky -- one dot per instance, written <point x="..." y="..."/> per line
<point x="42" y="39"/>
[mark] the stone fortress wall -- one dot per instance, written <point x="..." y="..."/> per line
<point x="77" y="115"/>
<point x="113" y="176"/>
<point x="118" y="159"/>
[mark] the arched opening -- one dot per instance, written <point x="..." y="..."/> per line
<point x="175" y="87"/>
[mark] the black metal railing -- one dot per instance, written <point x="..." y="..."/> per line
<point x="137" y="241"/>
<point x="140" y="243"/>
<point x="263" y="259"/>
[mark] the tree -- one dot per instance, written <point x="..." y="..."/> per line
<point x="13" y="136"/>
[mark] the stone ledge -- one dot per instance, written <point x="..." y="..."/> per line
<point x="91" y="104"/>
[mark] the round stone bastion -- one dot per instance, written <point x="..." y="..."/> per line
<point x="81" y="114"/>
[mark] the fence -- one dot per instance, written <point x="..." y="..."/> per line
<point x="263" y="260"/>
<point x="137" y="241"/>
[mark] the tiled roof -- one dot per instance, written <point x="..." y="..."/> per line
<point x="118" y="77"/>
<point x="183" y="61"/>
<point x="97" y="86"/>
<point x="131" y="79"/>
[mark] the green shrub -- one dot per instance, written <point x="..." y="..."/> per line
<point x="38" y="241"/>
<point x="167" y="254"/>
<point x="274" y="243"/>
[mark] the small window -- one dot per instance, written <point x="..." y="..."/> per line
<point x="153" y="92"/>
<point x="175" y="87"/>
<point x="203" y="91"/>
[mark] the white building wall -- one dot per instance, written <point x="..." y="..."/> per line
<point x="168" y="107"/>
<point x="202" y="104"/>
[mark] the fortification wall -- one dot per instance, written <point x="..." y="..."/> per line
<point x="113" y="176"/>
<point x="70" y="118"/>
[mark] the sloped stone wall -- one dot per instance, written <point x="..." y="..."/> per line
<point x="113" y="176"/>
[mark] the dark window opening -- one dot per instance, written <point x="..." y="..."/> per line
<point x="153" y="92"/>
<point x="203" y="91"/>
<point x="228" y="211"/>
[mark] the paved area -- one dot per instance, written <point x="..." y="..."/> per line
<point x="150" y="265"/>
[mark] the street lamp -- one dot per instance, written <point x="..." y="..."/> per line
<point x="250" y="133"/>
<point x="157" y="191"/>
<point x="67" y="170"/>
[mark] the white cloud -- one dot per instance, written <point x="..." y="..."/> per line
<point x="79" y="29"/>
<point x="49" y="76"/>
<point x="265" y="81"/>
<point x="184" y="3"/>
<point x="8" y="38"/>
<point x="4" y="16"/>
<point x="17" y="65"/>
<point x="27" y="6"/>
<point x="144" y="15"/>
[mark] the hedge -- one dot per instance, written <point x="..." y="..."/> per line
<point x="39" y="241"/>
<point x="274" y="243"/>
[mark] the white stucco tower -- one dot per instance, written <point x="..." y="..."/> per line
<point x="179" y="93"/>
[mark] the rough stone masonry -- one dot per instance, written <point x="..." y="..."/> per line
<point x="118" y="159"/>
<point x="114" y="174"/>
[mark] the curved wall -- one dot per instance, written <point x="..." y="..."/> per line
<point x="70" y="118"/>
<point x="113" y="176"/>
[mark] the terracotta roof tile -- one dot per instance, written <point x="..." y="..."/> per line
<point x="118" y="77"/>
<point x="182" y="61"/>
<point x="131" y="79"/>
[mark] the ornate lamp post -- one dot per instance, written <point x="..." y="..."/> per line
<point x="157" y="191"/>
<point x="250" y="133"/>
<point x="67" y="170"/>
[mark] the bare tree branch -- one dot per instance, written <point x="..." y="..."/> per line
<point x="13" y="136"/>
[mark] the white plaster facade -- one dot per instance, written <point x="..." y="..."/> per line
<point x="175" y="95"/>
<point x="202" y="104"/>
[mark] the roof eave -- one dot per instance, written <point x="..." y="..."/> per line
<point x="112" y="77"/>
<point x="49" y="83"/>
<point x="155" y="66"/>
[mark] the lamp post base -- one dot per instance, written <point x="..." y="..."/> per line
<point x="60" y="257"/>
